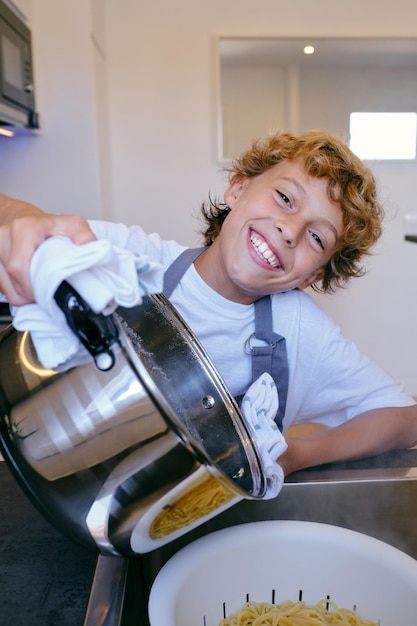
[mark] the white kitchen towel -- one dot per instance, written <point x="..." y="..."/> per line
<point x="104" y="276"/>
<point x="259" y="408"/>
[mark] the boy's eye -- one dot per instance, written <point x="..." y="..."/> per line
<point x="318" y="240"/>
<point x="285" y="198"/>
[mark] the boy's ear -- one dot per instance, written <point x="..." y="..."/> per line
<point x="313" y="278"/>
<point x="233" y="190"/>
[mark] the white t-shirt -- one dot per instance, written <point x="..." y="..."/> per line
<point x="330" y="381"/>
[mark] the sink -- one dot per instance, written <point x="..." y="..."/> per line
<point x="376" y="496"/>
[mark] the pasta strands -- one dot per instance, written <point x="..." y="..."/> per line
<point x="290" y="613"/>
<point x="198" y="502"/>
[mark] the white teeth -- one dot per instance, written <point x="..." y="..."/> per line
<point x="263" y="251"/>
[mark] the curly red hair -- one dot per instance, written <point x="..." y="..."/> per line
<point x="349" y="183"/>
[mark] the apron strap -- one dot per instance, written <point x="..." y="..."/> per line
<point x="177" y="269"/>
<point x="270" y="356"/>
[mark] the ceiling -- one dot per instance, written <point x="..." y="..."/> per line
<point x="386" y="52"/>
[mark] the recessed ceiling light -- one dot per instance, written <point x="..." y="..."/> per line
<point x="308" y="49"/>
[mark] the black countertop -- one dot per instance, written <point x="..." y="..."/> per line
<point x="45" y="578"/>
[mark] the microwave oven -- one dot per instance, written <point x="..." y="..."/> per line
<point x="17" y="96"/>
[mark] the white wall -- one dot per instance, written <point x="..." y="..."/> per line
<point x="162" y="90"/>
<point x="150" y="157"/>
<point x="348" y="89"/>
<point x="59" y="169"/>
<point x="246" y="115"/>
<point x="379" y="310"/>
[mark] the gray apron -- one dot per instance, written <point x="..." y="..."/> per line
<point x="269" y="357"/>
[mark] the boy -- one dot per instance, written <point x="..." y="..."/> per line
<point x="298" y="212"/>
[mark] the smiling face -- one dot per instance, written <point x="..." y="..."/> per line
<point x="281" y="231"/>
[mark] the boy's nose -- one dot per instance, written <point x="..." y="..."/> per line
<point x="290" y="231"/>
<point x="286" y="236"/>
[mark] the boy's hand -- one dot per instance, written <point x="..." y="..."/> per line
<point x="23" y="228"/>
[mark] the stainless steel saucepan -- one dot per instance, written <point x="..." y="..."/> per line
<point x="130" y="456"/>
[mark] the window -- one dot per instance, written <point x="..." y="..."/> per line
<point x="383" y="135"/>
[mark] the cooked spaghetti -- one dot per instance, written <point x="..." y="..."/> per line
<point x="290" y="613"/>
<point x="196" y="503"/>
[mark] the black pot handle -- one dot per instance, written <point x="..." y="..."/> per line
<point x="97" y="332"/>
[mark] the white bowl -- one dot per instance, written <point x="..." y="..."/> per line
<point x="285" y="556"/>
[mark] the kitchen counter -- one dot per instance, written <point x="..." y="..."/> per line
<point x="45" y="578"/>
